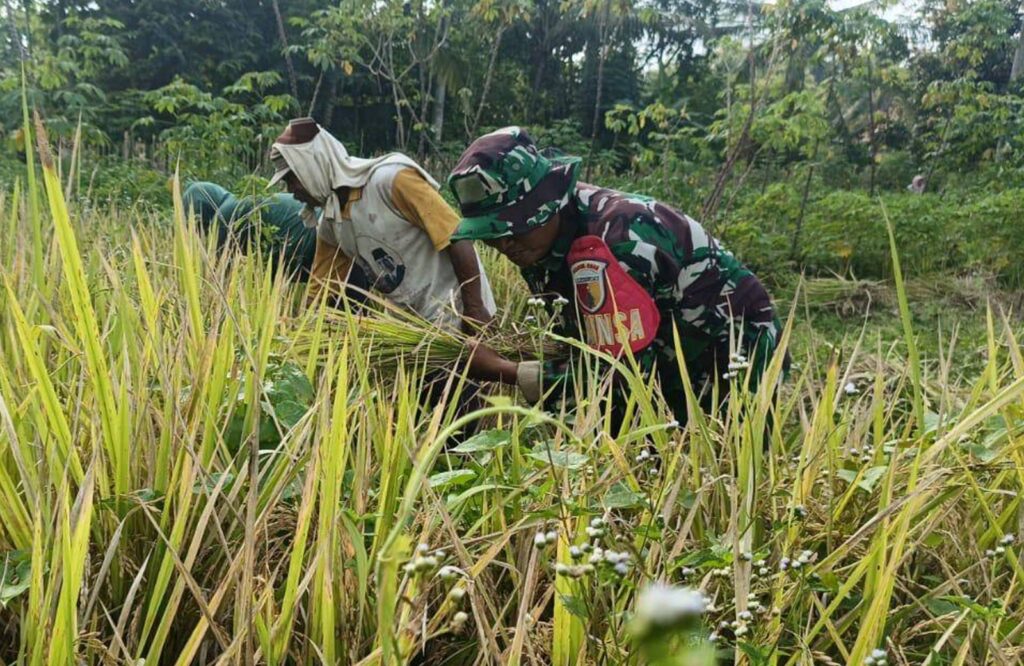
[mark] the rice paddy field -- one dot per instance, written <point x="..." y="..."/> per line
<point x="196" y="467"/>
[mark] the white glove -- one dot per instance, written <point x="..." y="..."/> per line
<point x="528" y="378"/>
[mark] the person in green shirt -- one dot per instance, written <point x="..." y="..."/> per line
<point x="274" y="222"/>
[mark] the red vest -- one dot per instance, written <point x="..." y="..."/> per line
<point x="612" y="307"/>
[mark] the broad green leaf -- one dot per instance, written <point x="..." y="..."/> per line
<point x="15" y="575"/>
<point x="456" y="477"/>
<point x="566" y="459"/>
<point x="484" y="441"/>
<point x="867" y="480"/>
<point x="620" y="496"/>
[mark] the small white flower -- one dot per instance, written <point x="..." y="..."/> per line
<point x="879" y="654"/>
<point x="745" y="616"/>
<point x="730" y="375"/>
<point x="851" y="389"/>
<point x="990" y="553"/>
<point x="597" y="523"/>
<point x="425" y="563"/>
<point x="563" y="569"/>
<point x="784" y="563"/>
<point x="449" y="572"/>
<point x="423" y="549"/>
<point x="459" y="619"/>
<point x="575" y="552"/>
<point x="440" y="554"/>
<point x="622" y="568"/>
<point x="713" y="637"/>
<point x="1007" y="540"/>
<point x="551" y="536"/>
<point x="661" y="605"/>
<point x="539" y="540"/>
<point x="1000" y="550"/>
<point x="686" y="572"/>
<point x="747" y="556"/>
<point x="457" y="593"/>
<point x="763" y="571"/>
<point x="796" y="565"/>
<point x="742" y="630"/>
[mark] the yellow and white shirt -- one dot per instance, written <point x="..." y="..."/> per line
<point x="397" y="229"/>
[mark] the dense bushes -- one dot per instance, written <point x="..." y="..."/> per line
<point x="844" y="232"/>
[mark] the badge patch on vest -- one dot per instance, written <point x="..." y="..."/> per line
<point x="588" y="276"/>
<point x="614" y="309"/>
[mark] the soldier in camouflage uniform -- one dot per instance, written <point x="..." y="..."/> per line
<point x="532" y="209"/>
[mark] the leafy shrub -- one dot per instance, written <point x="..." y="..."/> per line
<point x="845" y="231"/>
<point x="992" y="234"/>
<point x="760" y="230"/>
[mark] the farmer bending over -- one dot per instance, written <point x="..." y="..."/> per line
<point x="274" y="222"/>
<point x="386" y="216"/>
<point x="625" y="260"/>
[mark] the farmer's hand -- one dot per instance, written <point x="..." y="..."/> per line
<point x="529" y="379"/>
<point x="487" y="365"/>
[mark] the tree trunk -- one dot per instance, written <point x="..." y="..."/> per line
<point x="602" y="55"/>
<point x="440" y="93"/>
<point x="795" y="247"/>
<point x="292" y="79"/>
<point x="332" y="95"/>
<point x="12" y="23"/>
<point x="1017" y="69"/>
<point x="714" y="199"/>
<point x="871" y="124"/>
<point x="316" y="93"/>
<point x="487" y="80"/>
<point x="28" y="27"/>
<point x="399" y="121"/>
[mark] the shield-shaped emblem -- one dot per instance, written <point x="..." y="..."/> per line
<point x="588" y="276"/>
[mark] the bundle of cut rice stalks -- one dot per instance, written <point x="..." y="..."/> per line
<point x="385" y="336"/>
<point x="846" y="295"/>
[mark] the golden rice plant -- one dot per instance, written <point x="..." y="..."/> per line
<point x="197" y="468"/>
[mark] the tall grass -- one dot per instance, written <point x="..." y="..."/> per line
<point x="161" y="500"/>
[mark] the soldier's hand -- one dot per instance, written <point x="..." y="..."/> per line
<point x="529" y="379"/>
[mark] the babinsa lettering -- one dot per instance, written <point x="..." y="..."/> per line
<point x="601" y="328"/>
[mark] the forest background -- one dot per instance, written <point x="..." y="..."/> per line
<point x="785" y="127"/>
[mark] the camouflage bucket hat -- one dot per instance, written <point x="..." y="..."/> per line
<point x="505" y="187"/>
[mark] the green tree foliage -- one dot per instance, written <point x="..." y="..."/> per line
<point x="767" y="120"/>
